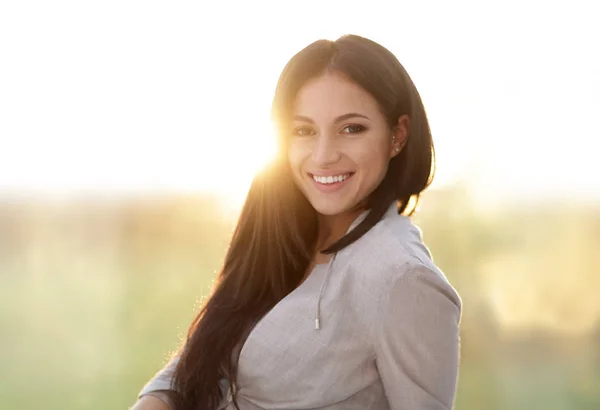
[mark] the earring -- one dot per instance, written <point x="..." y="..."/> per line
<point x="397" y="149"/>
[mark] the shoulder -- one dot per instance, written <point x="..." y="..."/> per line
<point x="393" y="242"/>
<point x="393" y="256"/>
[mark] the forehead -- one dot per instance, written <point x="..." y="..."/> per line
<point x="331" y="95"/>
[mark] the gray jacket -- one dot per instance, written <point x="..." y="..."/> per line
<point x="375" y="328"/>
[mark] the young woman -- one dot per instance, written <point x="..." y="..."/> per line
<point x="328" y="297"/>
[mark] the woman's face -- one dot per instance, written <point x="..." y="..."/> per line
<point x="340" y="144"/>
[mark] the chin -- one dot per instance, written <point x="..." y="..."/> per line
<point x="329" y="208"/>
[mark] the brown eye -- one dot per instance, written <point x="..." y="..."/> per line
<point x="353" y="129"/>
<point x="303" y="132"/>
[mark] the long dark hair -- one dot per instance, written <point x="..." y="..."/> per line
<point x="273" y="243"/>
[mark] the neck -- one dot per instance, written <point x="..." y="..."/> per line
<point x="333" y="227"/>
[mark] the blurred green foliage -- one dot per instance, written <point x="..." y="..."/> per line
<point x="95" y="293"/>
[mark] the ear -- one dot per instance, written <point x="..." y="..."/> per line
<point x="399" y="135"/>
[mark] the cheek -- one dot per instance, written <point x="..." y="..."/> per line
<point x="298" y="152"/>
<point x="295" y="157"/>
<point x="373" y="156"/>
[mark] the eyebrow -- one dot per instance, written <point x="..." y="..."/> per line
<point x="337" y="119"/>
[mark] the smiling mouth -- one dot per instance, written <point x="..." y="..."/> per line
<point x="330" y="179"/>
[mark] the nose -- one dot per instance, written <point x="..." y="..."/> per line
<point x="325" y="151"/>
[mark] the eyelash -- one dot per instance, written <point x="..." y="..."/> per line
<point x="298" y="131"/>
<point x="360" y="128"/>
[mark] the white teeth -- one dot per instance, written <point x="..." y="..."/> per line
<point x="330" y="179"/>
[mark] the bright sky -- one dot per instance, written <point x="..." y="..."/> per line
<point x="145" y="95"/>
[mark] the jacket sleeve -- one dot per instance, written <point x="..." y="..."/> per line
<point x="162" y="381"/>
<point x="417" y="340"/>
